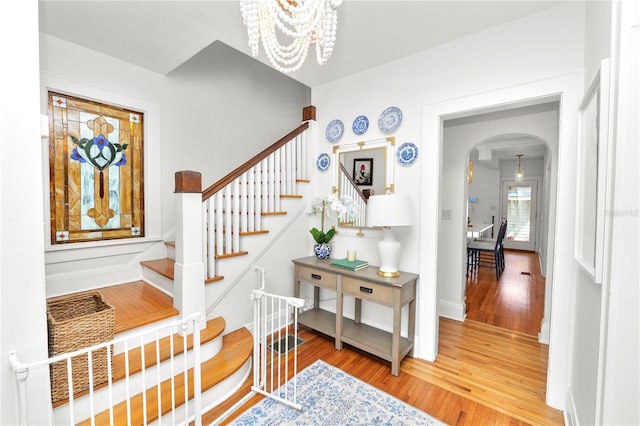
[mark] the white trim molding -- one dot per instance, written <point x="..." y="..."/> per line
<point x="452" y="310"/>
<point x="570" y="413"/>
<point x="564" y="87"/>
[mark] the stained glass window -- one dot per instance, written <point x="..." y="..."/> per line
<point x="95" y="170"/>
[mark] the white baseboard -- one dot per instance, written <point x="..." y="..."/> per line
<point x="541" y="262"/>
<point x="452" y="310"/>
<point x="570" y="413"/>
<point x="545" y="332"/>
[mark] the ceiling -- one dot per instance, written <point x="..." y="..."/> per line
<point x="161" y="35"/>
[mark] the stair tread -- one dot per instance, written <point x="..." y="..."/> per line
<point x="136" y="304"/>
<point x="234" y="254"/>
<point x="236" y="350"/>
<point x="214" y="328"/>
<point x="214" y="279"/>
<point x="163" y="267"/>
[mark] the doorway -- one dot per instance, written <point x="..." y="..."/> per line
<point x="442" y="216"/>
<point x="520" y="209"/>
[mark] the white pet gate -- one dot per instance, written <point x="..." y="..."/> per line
<point x="272" y="344"/>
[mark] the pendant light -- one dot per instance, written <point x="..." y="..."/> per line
<point x="519" y="172"/>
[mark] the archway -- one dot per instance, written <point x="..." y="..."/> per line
<point x="460" y="135"/>
<point x="514" y="300"/>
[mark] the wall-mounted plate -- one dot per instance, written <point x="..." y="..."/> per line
<point x="323" y="162"/>
<point x="407" y="154"/>
<point x="390" y="119"/>
<point x="335" y="129"/>
<point x="360" y="125"/>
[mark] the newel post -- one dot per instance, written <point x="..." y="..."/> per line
<point x="189" y="293"/>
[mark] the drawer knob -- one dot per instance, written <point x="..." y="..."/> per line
<point x="316" y="276"/>
<point x="366" y="290"/>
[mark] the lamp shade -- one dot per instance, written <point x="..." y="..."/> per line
<point x="389" y="210"/>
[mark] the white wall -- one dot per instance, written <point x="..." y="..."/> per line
<point x="588" y="296"/>
<point x="620" y="383"/>
<point x="220" y="108"/>
<point x="544" y="45"/>
<point x="597" y="36"/>
<point x="486" y="189"/>
<point x="22" y="281"/>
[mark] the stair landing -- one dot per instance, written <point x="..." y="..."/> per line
<point x="136" y="304"/>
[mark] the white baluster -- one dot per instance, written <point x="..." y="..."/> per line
<point x="235" y="226"/>
<point x="219" y="225"/>
<point x="243" y="202"/>
<point x="303" y="163"/>
<point x="260" y="200"/>
<point x="298" y="163"/>
<point x="264" y="181"/>
<point x="228" y="220"/>
<point x="277" y="178"/>
<point x="271" y="182"/>
<point x="251" y="212"/>
<point x="288" y="152"/>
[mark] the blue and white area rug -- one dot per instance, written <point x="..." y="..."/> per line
<point x="329" y="396"/>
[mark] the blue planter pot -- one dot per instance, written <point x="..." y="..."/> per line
<point x="322" y="251"/>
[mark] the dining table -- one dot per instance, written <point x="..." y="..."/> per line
<point x="478" y="231"/>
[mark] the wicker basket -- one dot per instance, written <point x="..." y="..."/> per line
<point x="76" y="322"/>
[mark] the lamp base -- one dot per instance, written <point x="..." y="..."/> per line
<point x="388" y="274"/>
<point x="389" y="253"/>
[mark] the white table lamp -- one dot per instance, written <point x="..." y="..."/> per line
<point x="389" y="211"/>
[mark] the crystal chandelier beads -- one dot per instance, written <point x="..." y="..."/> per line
<point x="303" y="22"/>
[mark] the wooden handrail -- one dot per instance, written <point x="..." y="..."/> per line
<point x="353" y="183"/>
<point x="207" y="193"/>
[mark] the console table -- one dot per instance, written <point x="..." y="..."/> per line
<point x="367" y="285"/>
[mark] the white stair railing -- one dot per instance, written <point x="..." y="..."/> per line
<point x="348" y="188"/>
<point x="98" y="404"/>
<point x="275" y="322"/>
<point x="237" y="203"/>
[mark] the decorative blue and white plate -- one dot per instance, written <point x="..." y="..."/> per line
<point x="390" y="119"/>
<point x="360" y="125"/>
<point x="323" y="162"/>
<point x="407" y="154"/>
<point x="334" y="130"/>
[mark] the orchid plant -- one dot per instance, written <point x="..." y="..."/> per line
<point x="344" y="209"/>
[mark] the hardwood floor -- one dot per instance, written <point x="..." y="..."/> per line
<point x="483" y="376"/>
<point x="490" y="370"/>
<point x="516" y="301"/>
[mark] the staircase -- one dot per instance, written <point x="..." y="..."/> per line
<point x="155" y="359"/>
<point x="153" y="364"/>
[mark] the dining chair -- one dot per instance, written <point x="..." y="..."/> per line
<point x="487" y="252"/>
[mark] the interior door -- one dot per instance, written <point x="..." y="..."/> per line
<point x="520" y="207"/>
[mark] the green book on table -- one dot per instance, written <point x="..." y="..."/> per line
<point x="354" y="266"/>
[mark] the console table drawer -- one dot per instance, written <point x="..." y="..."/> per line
<point x="365" y="290"/>
<point x="317" y="277"/>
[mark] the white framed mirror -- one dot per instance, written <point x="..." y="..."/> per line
<point x="364" y="169"/>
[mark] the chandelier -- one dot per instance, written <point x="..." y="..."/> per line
<point x="302" y="22"/>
